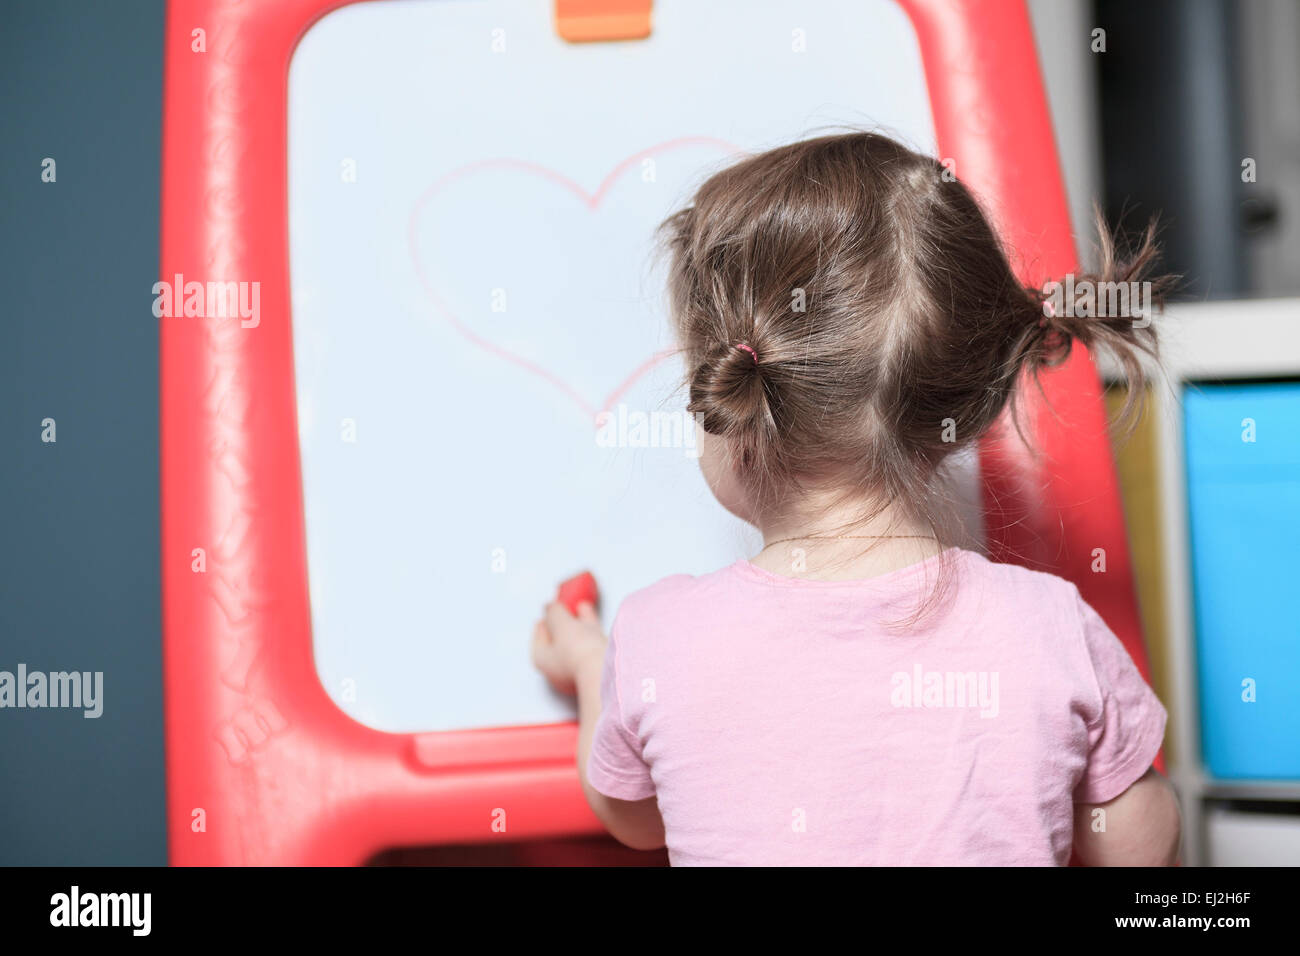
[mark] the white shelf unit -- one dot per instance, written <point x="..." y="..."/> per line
<point x="1229" y="340"/>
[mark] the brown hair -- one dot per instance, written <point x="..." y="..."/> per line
<point x="877" y="306"/>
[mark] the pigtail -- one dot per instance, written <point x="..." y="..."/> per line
<point x="732" y="394"/>
<point x="1111" y="310"/>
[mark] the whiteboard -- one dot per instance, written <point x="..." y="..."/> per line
<point x="471" y="209"/>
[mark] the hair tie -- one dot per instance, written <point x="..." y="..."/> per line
<point x="753" y="354"/>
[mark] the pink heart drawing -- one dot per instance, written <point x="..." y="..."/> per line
<point x="592" y="201"/>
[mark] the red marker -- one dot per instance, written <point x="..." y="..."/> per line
<point x="579" y="589"/>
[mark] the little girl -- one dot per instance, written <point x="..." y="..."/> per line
<point x="859" y="692"/>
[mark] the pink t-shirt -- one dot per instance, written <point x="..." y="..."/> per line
<point x="778" y="723"/>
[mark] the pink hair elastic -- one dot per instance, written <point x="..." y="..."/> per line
<point x="753" y="354"/>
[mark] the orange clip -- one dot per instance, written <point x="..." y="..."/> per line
<point x="588" y="21"/>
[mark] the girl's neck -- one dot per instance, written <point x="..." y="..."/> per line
<point x="833" y="541"/>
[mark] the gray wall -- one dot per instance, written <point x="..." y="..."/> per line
<point x="79" y="533"/>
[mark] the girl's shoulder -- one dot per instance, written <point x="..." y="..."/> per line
<point x="667" y="592"/>
<point x="676" y="602"/>
<point x="1014" y="592"/>
<point x="1018" y="578"/>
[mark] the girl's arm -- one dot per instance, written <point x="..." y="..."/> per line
<point x="570" y="651"/>
<point x="1140" y="827"/>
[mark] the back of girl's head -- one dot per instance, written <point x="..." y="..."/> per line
<point x="882" y="325"/>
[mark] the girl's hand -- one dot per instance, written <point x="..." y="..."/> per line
<point x="565" y="645"/>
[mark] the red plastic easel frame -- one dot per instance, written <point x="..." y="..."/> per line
<point x="255" y="748"/>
